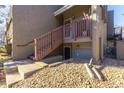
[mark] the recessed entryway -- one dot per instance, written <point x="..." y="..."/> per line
<point x="67" y="54"/>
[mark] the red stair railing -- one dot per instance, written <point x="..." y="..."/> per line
<point x="48" y="42"/>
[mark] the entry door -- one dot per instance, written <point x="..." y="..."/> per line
<point x="67" y="52"/>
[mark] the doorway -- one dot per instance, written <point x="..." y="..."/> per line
<point x="67" y="53"/>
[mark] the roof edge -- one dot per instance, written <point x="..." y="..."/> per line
<point x="63" y="9"/>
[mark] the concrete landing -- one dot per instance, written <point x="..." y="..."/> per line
<point x="26" y="70"/>
<point x="12" y="78"/>
<point x="42" y="64"/>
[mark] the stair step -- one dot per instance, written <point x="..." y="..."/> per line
<point x="27" y="70"/>
<point x="23" y="72"/>
<point x="11" y="69"/>
<point x="41" y="64"/>
<point x="12" y="78"/>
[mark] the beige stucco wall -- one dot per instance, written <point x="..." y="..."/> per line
<point x="102" y="28"/>
<point x="30" y="22"/>
<point x="98" y="31"/>
<point x="82" y="44"/>
<point x="82" y="50"/>
<point x="120" y="49"/>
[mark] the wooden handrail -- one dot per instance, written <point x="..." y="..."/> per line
<point x="45" y="44"/>
<point x="48" y="32"/>
<point x="23" y="45"/>
<point x="31" y="42"/>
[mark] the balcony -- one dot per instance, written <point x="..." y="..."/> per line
<point x="80" y="30"/>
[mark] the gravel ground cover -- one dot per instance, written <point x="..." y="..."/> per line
<point x="74" y="75"/>
<point x="2" y="84"/>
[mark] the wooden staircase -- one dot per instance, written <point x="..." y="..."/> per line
<point x="47" y="43"/>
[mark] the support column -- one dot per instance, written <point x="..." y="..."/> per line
<point x="95" y="33"/>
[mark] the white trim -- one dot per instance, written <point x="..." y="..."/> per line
<point x="63" y="9"/>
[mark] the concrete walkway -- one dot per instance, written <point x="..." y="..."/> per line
<point x="12" y="63"/>
<point x="17" y="71"/>
<point x="12" y="78"/>
<point x="27" y="70"/>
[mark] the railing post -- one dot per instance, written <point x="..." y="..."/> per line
<point x="90" y="28"/>
<point x="62" y="34"/>
<point x="75" y="30"/>
<point x="51" y="40"/>
<point x="35" y="49"/>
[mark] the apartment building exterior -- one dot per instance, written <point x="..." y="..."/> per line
<point x="73" y="31"/>
<point x="27" y="23"/>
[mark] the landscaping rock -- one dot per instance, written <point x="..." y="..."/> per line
<point x="74" y="75"/>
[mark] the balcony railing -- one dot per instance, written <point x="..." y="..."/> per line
<point x="80" y="28"/>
